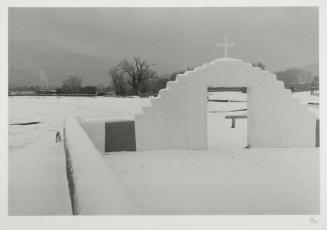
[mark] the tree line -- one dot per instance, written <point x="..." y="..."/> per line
<point x="137" y="77"/>
<point x="134" y="77"/>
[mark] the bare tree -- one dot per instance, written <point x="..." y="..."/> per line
<point x="117" y="80"/>
<point x="137" y="72"/>
<point x="73" y="84"/>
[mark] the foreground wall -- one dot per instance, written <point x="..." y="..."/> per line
<point x="177" y="118"/>
<point x="94" y="188"/>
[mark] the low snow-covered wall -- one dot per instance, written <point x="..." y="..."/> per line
<point x="95" y="129"/>
<point x="94" y="188"/>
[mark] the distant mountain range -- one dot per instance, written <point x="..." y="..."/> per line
<point x="35" y="63"/>
<point x="42" y="63"/>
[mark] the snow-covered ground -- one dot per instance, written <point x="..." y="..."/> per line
<point x="220" y="133"/>
<point x="226" y="181"/>
<point x="306" y="98"/>
<point x="37" y="176"/>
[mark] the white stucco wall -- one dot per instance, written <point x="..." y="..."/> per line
<point x="177" y="118"/>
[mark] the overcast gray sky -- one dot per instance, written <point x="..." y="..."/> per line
<point x="176" y="38"/>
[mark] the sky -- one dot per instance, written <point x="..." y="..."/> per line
<point x="176" y="38"/>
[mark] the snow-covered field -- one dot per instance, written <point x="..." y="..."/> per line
<point x="220" y="133"/>
<point x="227" y="181"/>
<point x="37" y="176"/>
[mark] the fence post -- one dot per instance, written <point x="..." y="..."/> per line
<point x="317" y="134"/>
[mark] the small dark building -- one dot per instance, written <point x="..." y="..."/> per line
<point x="60" y="91"/>
<point x="147" y="94"/>
<point x="100" y="93"/>
<point x="89" y="90"/>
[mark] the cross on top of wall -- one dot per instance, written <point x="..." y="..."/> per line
<point x="225" y="45"/>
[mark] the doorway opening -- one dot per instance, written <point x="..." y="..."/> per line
<point x="227" y="117"/>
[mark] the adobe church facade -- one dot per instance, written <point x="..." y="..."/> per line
<point x="177" y="118"/>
